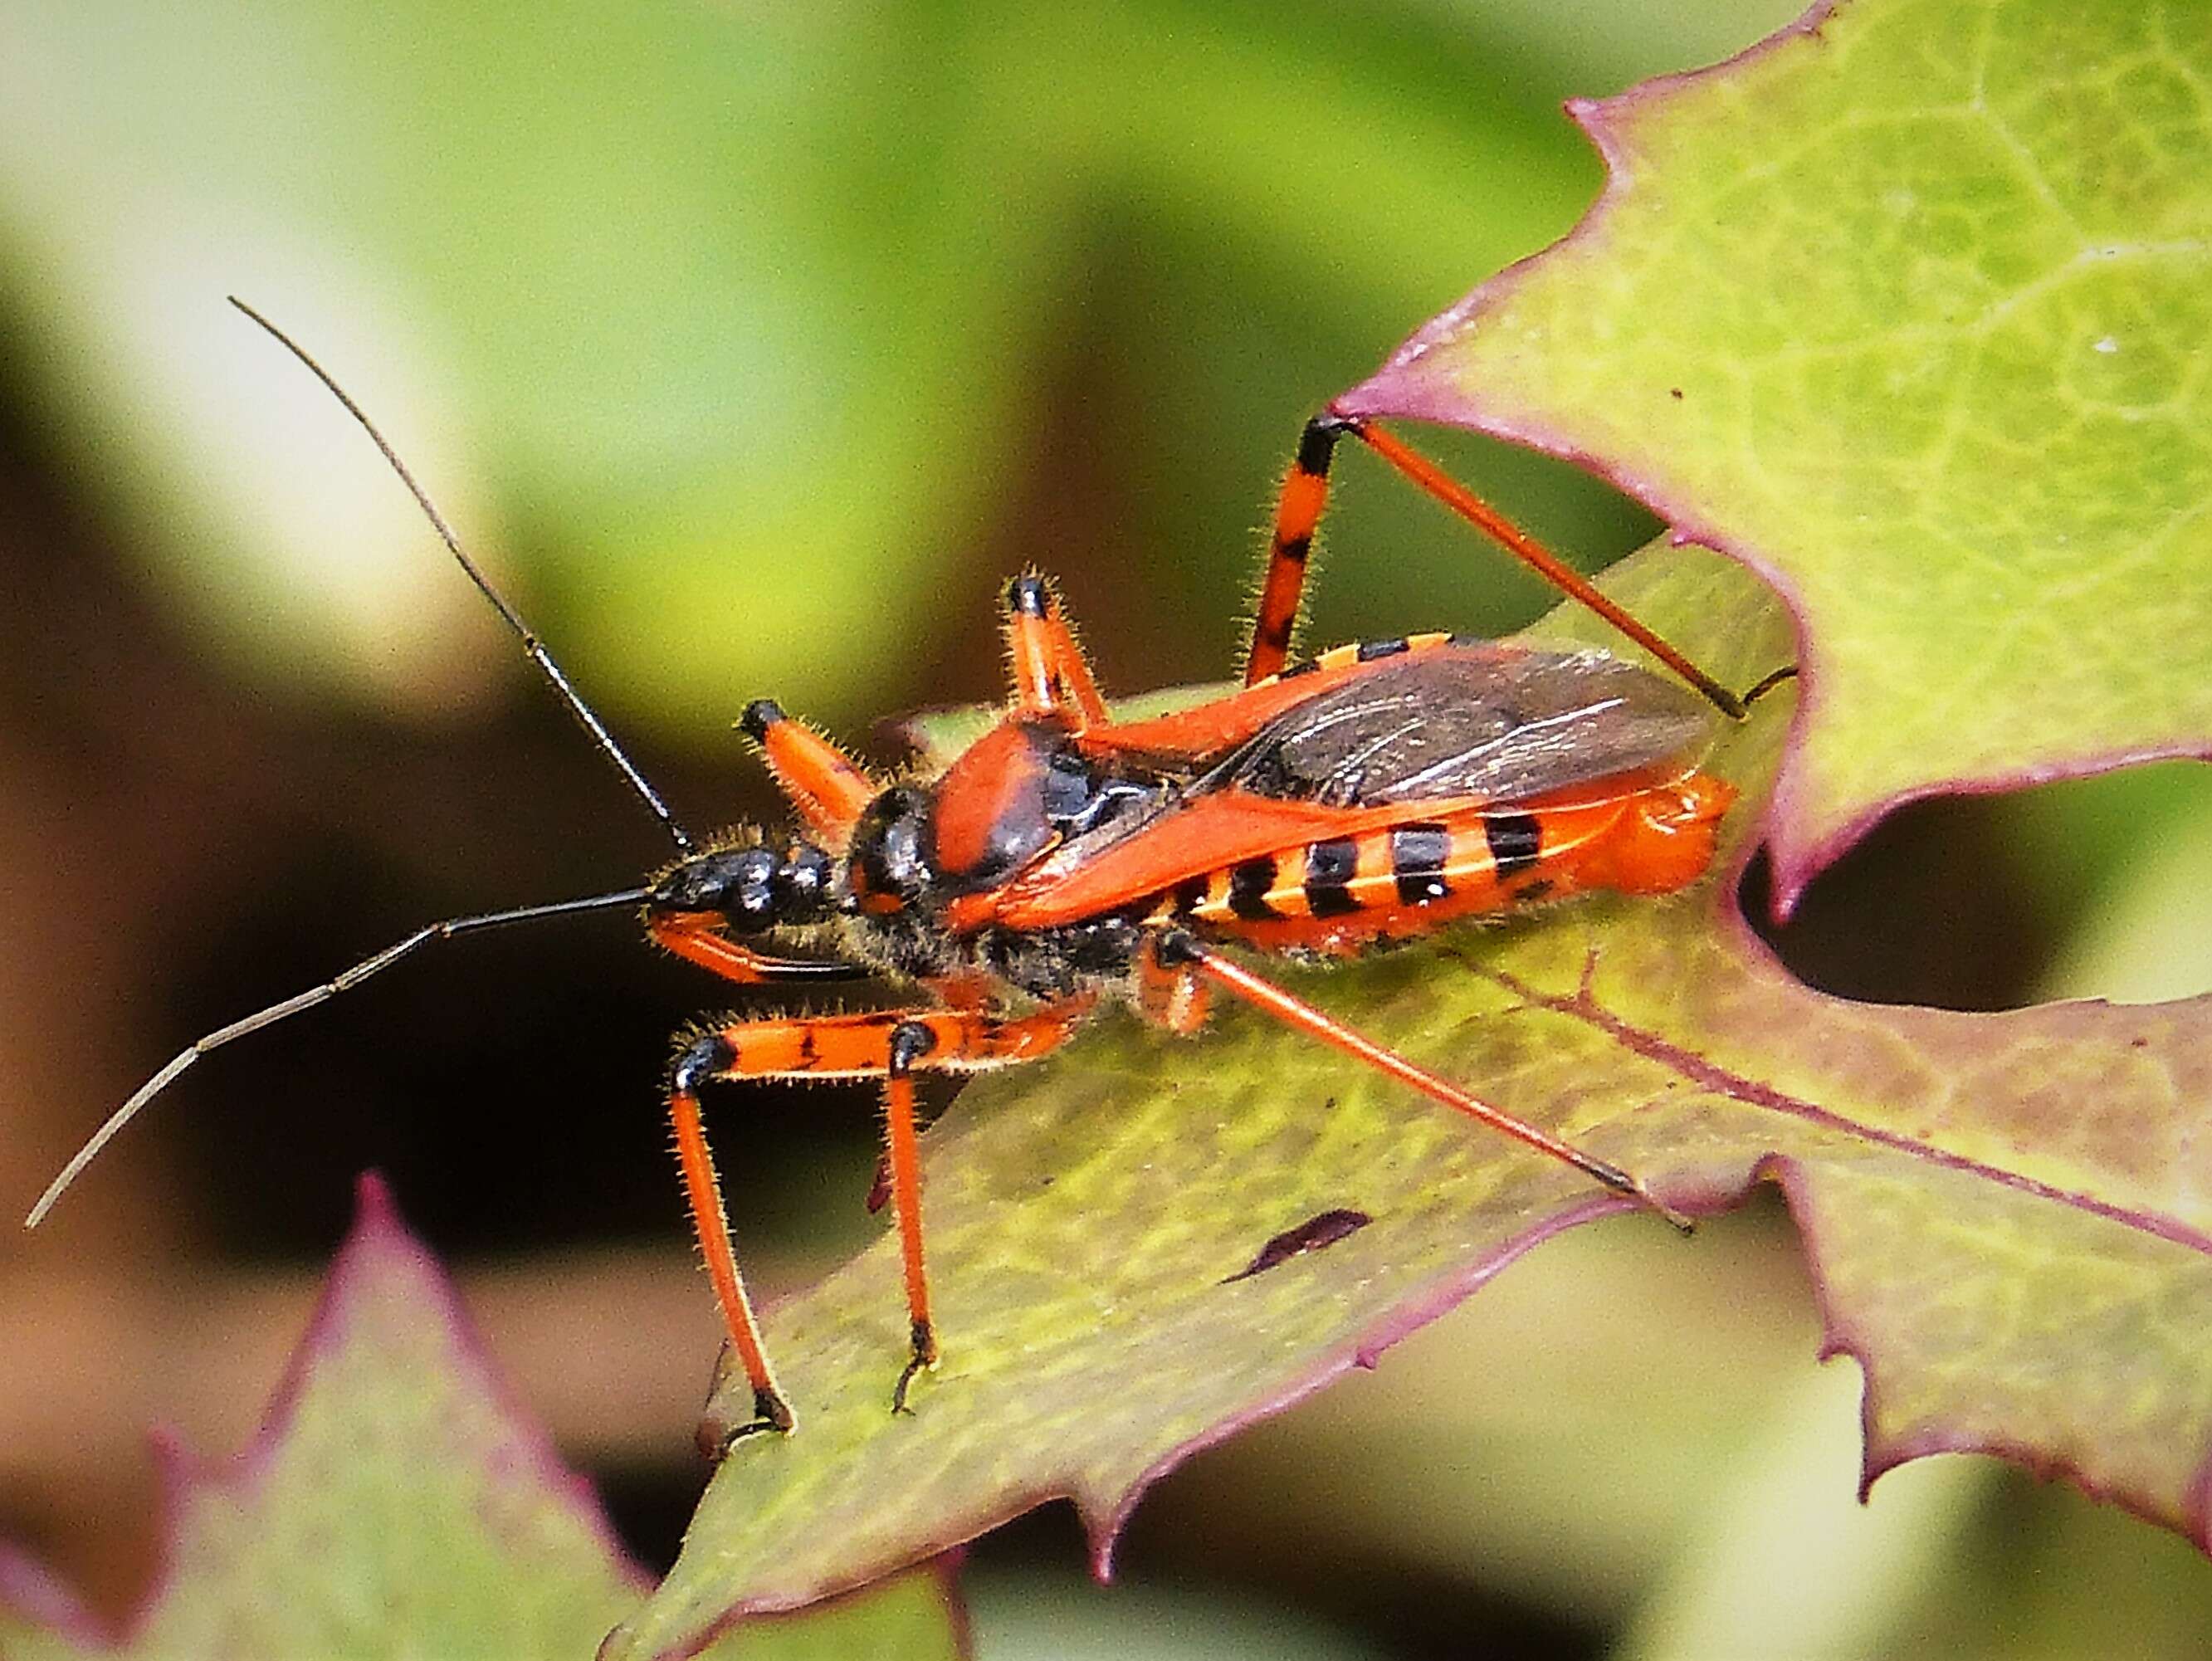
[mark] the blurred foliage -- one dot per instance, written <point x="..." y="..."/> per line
<point x="734" y="326"/>
<point x="395" y="1503"/>
<point x="755" y="343"/>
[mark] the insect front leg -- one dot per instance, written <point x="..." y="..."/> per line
<point x="830" y="789"/>
<point x="889" y="1044"/>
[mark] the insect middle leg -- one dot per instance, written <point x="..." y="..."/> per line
<point x="889" y="1044"/>
<point x="1049" y="674"/>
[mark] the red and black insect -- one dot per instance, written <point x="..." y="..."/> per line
<point x="1370" y="793"/>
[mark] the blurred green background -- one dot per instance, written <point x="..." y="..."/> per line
<point x="753" y="345"/>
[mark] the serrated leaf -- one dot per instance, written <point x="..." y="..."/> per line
<point x="395" y="1503"/>
<point x="1906" y="307"/>
<point x="2007" y="1214"/>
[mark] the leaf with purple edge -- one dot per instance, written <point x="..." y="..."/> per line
<point x="397" y="1503"/>
<point x="2009" y="1216"/>
<point x="1905" y="308"/>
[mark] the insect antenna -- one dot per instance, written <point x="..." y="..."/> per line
<point x="343" y="981"/>
<point x="533" y="646"/>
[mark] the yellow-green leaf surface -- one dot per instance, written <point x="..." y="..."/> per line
<point x="1908" y="308"/>
<point x="396" y="1504"/>
<point x="2009" y="1216"/>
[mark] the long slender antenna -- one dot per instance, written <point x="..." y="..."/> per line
<point x="344" y="982"/>
<point x="534" y="647"/>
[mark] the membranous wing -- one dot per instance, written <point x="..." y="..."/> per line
<point x="1502" y="722"/>
<point x="1480" y="725"/>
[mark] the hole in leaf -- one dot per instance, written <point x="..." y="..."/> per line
<point x="2098" y="887"/>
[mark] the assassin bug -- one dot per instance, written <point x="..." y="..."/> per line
<point x="1370" y="793"/>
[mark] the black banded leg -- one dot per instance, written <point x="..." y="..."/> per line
<point x="1298" y="516"/>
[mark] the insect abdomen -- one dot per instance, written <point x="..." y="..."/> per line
<point x="1338" y="893"/>
<point x="1419" y="864"/>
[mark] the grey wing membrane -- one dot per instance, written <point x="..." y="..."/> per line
<point x="1471" y="719"/>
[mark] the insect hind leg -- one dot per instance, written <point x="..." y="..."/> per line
<point x="1433" y="480"/>
<point x="1179" y="948"/>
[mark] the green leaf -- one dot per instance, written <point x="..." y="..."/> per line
<point x="2007" y="1226"/>
<point x="1904" y="308"/>
<point x="397" y="1504"/>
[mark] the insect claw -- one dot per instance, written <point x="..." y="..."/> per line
<point x="1622" y="1184"/>
<point x="1766" y="683"/>
<point x="924" y="1359"/>
<point x="770" y="1413"/>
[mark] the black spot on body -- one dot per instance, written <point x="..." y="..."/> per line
<point x="1329" y="868"/>
<point x="1249" y="882"/>
<point x="1516" y="842"/>
<point x="1368" y="650"/>
<point x="1417" y="859"/>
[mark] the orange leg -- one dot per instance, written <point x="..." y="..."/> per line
<point x="696" y="939"/>
<point x="826" y="785"/>
<point x="1171" y="996"/>
<point x="1296" y="1013"/>
<point x="889" y="1044"/>
<point x="1049" y="671"/>
<point x="1298" y="516"/>
<point x="910" y="1044"/>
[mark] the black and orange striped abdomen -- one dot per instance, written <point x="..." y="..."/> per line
<point x="1340" y="894"/>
